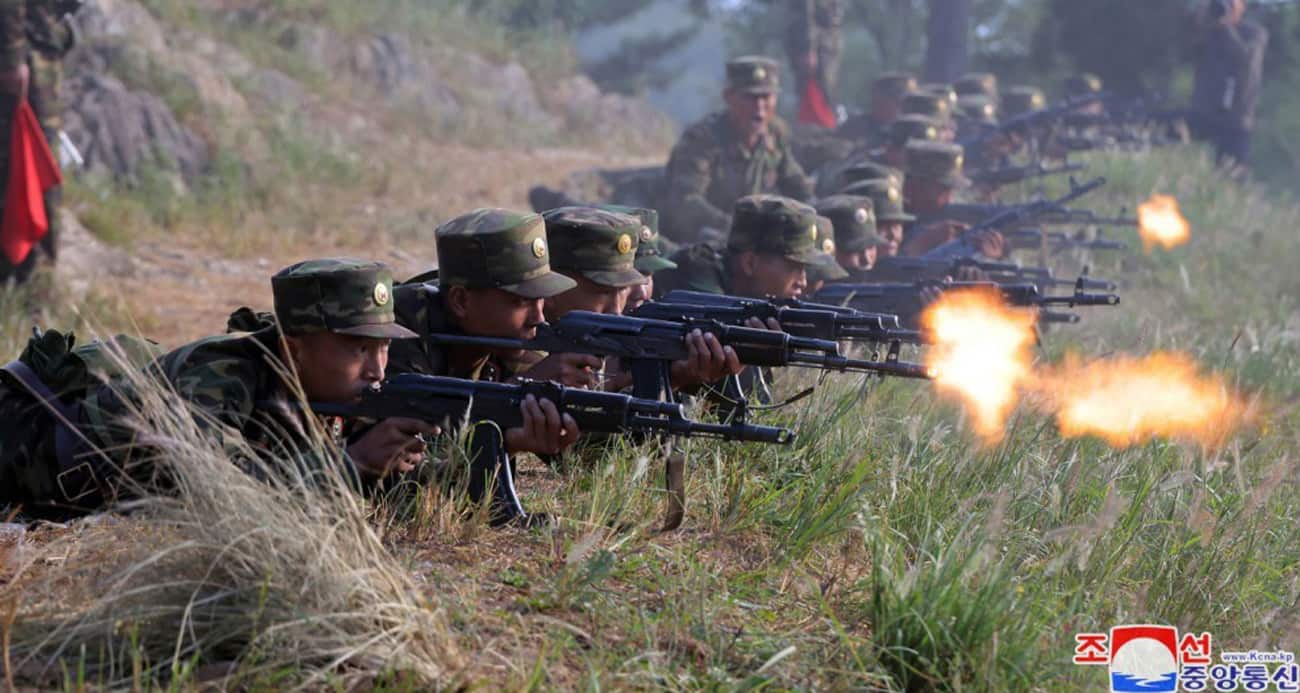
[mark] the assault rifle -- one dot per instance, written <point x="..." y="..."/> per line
<point x="914" y="269"/>
<point x="1032" y="120"/>
<point x="440" y="400"/>
<point x="1016" y="174"/>
<point x="904" y="299"/>
<point x="1010" y="217"/>
<point x="649" y="347"/>
<point x="974" y="213"/>
<point x="797" y="317"/>
<point x="1058" y="241"/>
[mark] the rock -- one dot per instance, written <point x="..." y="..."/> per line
<point x="585" y="109"/>
<point x="508" y="87"/>
<point x="119" y="130"/>
<point x="84" y="259"/>
<point x="120" y="21"/>
<point x="390" y="64"/>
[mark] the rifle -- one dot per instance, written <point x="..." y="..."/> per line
<point x="1031" y="120"/>
<point x="439" y="400"/>
<point x="797" y="317"/>
<point x="1057" y="241"/>
<point x="973" y="213"/>
<point x="905" y="298"/>
<point x="649" y="347"/>
<point x="1011" y="217"/>
<point x="1016" y="174"/>
<point x="917" y="269"/>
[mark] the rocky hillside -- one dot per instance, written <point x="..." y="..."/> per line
<point x="223" y="137"/>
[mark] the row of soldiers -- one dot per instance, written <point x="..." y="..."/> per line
<point x="71" y="440"/>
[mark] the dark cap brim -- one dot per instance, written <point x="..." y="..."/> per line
<point x="905" y="218"/>
<point x="756" y="90"/>
<point x="387" y="330"/>
<point x="653" y="263"/>
<point x="829" y="272"/>
<point x="812" y="258"/>
<point x="545" y="286"/>
<point x="616" y="278"/>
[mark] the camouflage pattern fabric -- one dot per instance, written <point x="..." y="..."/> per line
<point x="340" y="295"/>
<point x="33" y="32"/>
<point x="886" y="199"/>
<point x="927" y="104"/>
<point x="871" y="170"/>
<point x="1084" y="84"/>
<point x="494" y="248"/>
<point x="977" y="84"/>
<point x="826" y="242"/>
<point x="779" y="226"/>
<point x="853" y="219"/>
<point x="1020" y="100"/>
<point x="700" y="267"/>
<point x="913" y="127"/>
<point x="711" y="168"/>
<point x="816" y="28"/>
<point x="936" y="161"/>
<point x="420" y="308"/>
<point x="653" y="250"/>
<point x="596" y="244"/>
<point x="753" y="74"/>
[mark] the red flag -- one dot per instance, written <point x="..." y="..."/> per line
<point x="813" y="108"/>
<point x="32" y="171"/>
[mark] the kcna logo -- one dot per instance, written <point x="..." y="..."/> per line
<point x="1140" y="657"/>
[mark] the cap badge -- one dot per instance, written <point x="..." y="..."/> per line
<point x="539" y="247"/>
<point x="812" y="232"/>
<point x="958" y="160"/>
<point x="624" y="244"/>
<point x="892" y="194"/>
<point x="828" y="246"/>
<point x="860" y="215"/>
<point x="931" y="134"/>
<point x="760" y="74"/>
<point x="647" y="234"/>
<point x="381" y="294"/>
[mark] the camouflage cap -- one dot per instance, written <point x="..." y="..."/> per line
<point x="1085" y="84"/>
<point x="893" y="85"/>
<point x="826" y="242"/>
<point x="886" y="199"/>
<point x="936" y="161"/>
<point x="753" y="74"/>
<point x="977" y="83"/>
<point x="942" y="90"/>
<point x="498" y="249"/>
<point x="854" y="220"/>
<point x="776" y="225"/>
<point x="978" y="108"/>
<point x="651" y="255"/>
<point x="913" y="127"/>
<point x="926" y="104"/>
<point x="339" y="295"/>
<point x="1019" y="100"/>
<point x="871" y="170"/>
<point x="597" y="244"/>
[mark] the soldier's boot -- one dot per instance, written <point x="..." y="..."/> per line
<point x="492" y="472"/>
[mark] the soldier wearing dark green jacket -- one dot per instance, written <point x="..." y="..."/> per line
<point x="332" y="328"/>
<point x="34" y="37"/>
<point x="741" y="151"/>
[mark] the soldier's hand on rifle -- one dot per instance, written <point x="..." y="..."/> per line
<point x="392" y="445"/>
<point x="991" y="244"/>
<point x="545" y="430"/>
<point x="569" y="370"/>
<point x="708" y="361"/>
<point x="16" y="81"/>
<point x="970" y="273"/>
<point x="932" y="236"/>
<point x="929" y="294"/>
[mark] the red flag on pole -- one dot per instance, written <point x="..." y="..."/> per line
<point x="813" y="107"/>
<point x="32" y="171"/>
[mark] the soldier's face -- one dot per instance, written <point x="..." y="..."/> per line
<point x="588" y="295"/>
<point x="495" y="312"/>
<point x="336" y="367"/>
<point x="640" y="294"/>
<point x="750" y="113"/>
<point x="861" y="260"/>
<point x="761" y="275"/>
<point x="926" y="196"/>
<point x="892" y="232"/>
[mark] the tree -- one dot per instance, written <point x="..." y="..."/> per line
<point x="947" y="52"/>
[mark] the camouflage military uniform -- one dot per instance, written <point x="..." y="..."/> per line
<point x="34" y="33"/>
<point x="711" y="168"/>
<point x="234" y="380"/>
<point x="815" y="28"/>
